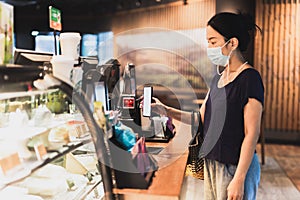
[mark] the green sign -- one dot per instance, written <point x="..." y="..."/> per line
<point x="55" y="18"/>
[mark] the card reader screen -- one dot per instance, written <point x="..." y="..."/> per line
<point x="147" y="101"/>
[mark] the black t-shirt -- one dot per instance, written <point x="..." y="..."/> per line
<point x="224" y="115"/>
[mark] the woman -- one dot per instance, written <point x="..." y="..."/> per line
<point x="231" y="112"/>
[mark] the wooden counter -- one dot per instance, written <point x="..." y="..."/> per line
<point x="167" y="181"/>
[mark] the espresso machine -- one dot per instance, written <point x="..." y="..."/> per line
<point x="100" y="82"/>
<point x="118" y="93"/>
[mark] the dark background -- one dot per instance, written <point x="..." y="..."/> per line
<point x="89" y="16"/>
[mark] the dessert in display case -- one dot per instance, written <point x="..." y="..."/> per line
<point x="50" y="144"/>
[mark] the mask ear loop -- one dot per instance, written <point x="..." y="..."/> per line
<point x="218" y="66"/>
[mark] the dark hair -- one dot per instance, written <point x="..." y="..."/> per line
<point x="231" y="25"/>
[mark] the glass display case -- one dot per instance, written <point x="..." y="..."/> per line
<point x="50" y="145"/>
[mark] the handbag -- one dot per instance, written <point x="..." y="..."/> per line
<point x="144" y="161"/>
<point x="195" y="163"/>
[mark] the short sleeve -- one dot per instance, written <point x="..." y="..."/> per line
<point x="253" y="87"/>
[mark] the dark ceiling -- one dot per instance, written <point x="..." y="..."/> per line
<point x="88" y="6"/>
<point x="84" y="16"/>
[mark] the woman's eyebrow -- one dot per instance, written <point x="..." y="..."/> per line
<point x="211" y="38"/>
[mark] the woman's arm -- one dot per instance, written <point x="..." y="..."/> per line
<point x="252" y="121"/>
<point x="177" y="114"/>
<point x="162" y="109"/>
<point x="202" y="108"/>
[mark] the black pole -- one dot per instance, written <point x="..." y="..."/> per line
<point x="55" y="47"/>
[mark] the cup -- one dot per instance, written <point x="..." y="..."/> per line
<point x="70" y="44"/>
<point x="62" y="67"/>
<point x="158" y="128"/>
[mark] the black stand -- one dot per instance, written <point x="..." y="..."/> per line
<point x="55" y="46"/>
<point x="125" y="171"/>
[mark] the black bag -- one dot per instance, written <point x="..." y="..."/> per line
<point x="195" y="163"/>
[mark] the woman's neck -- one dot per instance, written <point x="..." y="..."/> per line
<point x="235" y="62"/>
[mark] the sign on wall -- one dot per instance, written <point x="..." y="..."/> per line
<point x="55" y="18"/>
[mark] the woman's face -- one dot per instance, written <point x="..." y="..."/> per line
<point x="215" y="39"/>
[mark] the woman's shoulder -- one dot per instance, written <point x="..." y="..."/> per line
<point x="250" y="74"/>
<point x="251" y="80"/>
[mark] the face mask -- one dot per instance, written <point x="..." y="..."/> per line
<point x="216" y="56"/>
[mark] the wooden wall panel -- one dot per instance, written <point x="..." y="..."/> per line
<point x="297" y="69"/>
<point x="172" y="16"/>
<point x="277" y="57"/>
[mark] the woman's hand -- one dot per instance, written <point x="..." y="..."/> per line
<point x="158" y="107"/>
<point x="235" y="189"/>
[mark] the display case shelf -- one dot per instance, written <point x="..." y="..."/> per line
<point x="29" y="166"/>
<point x="16" y="84"/>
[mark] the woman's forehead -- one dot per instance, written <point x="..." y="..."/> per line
<point x="212" y="33"/>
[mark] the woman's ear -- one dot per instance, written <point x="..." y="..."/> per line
<point x="234" y="43"/>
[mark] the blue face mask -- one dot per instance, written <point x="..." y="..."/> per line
<point x="216" y="56"/>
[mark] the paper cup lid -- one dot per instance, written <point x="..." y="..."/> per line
<point x="69" y="34"/>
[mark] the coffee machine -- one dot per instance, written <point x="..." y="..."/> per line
<point x="100" y="82"/>
<point x="117" y="93"/>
